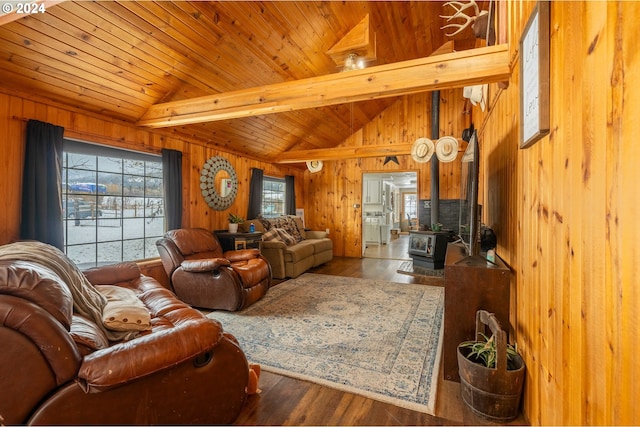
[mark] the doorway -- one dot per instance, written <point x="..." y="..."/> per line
<point x="387" y="198"/>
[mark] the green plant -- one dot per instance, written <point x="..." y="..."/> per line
<point x="484" y="352"/>
<point x="235" y="219"/>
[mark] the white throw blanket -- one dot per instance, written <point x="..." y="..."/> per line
<point x="87" y="301"/>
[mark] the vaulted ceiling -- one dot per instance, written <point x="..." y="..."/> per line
<point x="120" y="58"/>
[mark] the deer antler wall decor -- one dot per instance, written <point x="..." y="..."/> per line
<point x="478" y="21"/>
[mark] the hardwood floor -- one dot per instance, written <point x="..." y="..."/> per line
<point x="288" y="401"/>
<point x="395" y="249"/>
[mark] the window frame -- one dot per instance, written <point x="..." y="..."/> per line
<point x="122" y="224"/>
<point x="281" y="203"/>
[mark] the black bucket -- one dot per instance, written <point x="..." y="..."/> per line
<point x="494" y="393"/>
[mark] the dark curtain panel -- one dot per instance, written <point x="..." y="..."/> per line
<point x="290" y="192"/>
<point x="172" y="177"/>
<point x="255" y="194"/>
<point x="41" y="185"/>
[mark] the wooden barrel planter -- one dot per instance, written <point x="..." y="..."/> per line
<point x="493" y="393"/>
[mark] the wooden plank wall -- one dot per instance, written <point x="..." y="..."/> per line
<point x="338" y="187"/>
<point x="196" y="213"/>
<point x="327" y="197"/>
<point x="566" y="213"/>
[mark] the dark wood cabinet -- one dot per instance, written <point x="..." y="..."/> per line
<point x="470" y="284"/>
<point x="233" y="241"/>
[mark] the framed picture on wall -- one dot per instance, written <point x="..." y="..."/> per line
<point x="534" y="76"/>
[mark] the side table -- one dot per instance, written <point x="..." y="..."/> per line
<point x="234" y="241"/>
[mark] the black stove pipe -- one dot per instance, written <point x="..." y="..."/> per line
<point x="435" y="164"/>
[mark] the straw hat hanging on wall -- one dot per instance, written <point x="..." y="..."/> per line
<point x="447" y="149"/>
<point x="314" y="166"/>
<point x="422" y="150"/>
<point x="477" y="94"/>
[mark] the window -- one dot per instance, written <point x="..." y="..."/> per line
<point x="273" y="197"/>
<point x="410" y="205"/>
<point x="112" y="203"/>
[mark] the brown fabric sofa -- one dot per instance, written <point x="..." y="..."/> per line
<point x="291" y="258"/>
<point x="58" y="368"/>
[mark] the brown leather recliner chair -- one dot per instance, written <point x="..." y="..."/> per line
<point x="58" y="367"/>
<point x="203" y="276"/>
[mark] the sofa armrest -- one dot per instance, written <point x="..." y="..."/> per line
<point x="312" y="234"/>
<point x="45" y="334"/>
<point x="112" y="274"/>
<point x="204" y="265"/>
<point x="127" y="361"/>
<point x="273" y="244"/>
<point x="273" y="252"/>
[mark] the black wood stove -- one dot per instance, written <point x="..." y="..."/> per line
<point x="428" y="248"/>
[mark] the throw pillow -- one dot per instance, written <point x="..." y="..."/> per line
<point x="289" y="225"/>
<point x="265" y="223"/>
<point x="287" y="238"/>
<point x="270" y="235"/>
<point x="124" y="310"/>
<point x="298" y="221"/>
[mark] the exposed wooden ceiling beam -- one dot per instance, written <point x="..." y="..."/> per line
<point x="338" y="153"/>
<point x="457" y="69"/>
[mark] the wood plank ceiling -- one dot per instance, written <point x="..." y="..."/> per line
<point x="120" y="58"/>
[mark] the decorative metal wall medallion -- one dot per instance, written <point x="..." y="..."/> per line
<point x="211" y="194"/>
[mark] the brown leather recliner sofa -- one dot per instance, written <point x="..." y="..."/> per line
<point x="58" y="367"/>
<point x="204" y="276"/>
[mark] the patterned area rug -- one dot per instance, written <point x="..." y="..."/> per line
<point x="378" y="339"/>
